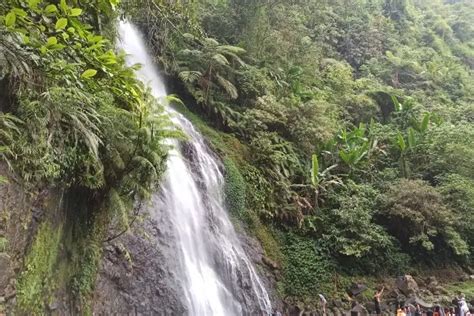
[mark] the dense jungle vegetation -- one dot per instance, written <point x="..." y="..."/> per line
<point x="346" y="127"/>
<point x="353" y="120"/>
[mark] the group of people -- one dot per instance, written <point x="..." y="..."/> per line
<point x="460" y="309"/>
<point x="436" y="311"/>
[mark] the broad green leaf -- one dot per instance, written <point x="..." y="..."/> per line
<point x="94" y="39"/>
<point x="398" y="105"/>
<point x="75" y="12"/>
<point x="71" y="29"/>
<point x="425" y="122"/>
<point x="52" y="41"/>
<point x="64" y="6"/>
<point x="50" y="9"/>
<point x="315" y="170"/>
<point x="10" y="19"/>
<point x="43" y="50"/>
<point x="61" y="24"/>
<point x="33" y="4"/>
<point x="19" y="12"/>
<point x="346" y="157"/>
<point x="401" y="142"/>
<point x="411" y="138"/>
<point x="89" y="73"/>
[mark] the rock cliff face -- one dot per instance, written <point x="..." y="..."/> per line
<point x="20" y="214"/>
<point x="139" y="276"/>
<point x="136" y="274"/>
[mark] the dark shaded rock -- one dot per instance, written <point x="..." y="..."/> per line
<point x="356" y="288"/>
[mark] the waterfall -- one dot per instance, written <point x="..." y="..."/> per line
<point x="216" y="277"/>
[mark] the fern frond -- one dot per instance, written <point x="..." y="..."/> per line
<point x="190" y="76"/>
<point x="228" y="87"/>
<point x="220" y="59"/>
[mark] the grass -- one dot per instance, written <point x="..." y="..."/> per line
<point x="467" y="288"/>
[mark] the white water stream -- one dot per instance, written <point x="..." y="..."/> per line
<point x="215" y="274"/>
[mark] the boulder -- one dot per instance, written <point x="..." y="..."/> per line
<point x="432" y="283"/>
<point x="418" y="301"/>
<point x="407" y="285"/>
<point x="464" y="278"/>
<point x="360" y="310"/>
<point x="439" y="290"/>
<point x="356" y="288"/>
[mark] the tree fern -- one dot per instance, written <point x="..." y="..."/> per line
<point x="228" y="87"/>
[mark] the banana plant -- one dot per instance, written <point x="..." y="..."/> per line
<point x="320" y="180"/>
<point x="355" y="146"/>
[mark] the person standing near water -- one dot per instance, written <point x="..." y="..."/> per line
<point x="324" y="302"/>
<point x="377" y="299"/>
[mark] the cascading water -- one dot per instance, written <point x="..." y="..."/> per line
<point x="215" y="275"/>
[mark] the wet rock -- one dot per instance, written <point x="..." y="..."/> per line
<point x="146" y="289"/>
<point x="6" y="272"/>
<point x="407" y="285"/>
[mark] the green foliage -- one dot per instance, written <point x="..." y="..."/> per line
<point x="234" y="189"/>
<point x="349" y="228"/>
<point x="74" y="116"/>
<point x="291" y="86"/>
<point x="36" y="283"/>
<point x="86" y="264"/>
<point x="307" y="269"/>
<point x="334" y="103"/>
<point x="417" y="216"/>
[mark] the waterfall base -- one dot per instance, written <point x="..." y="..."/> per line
<point x="147" y="284"/>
